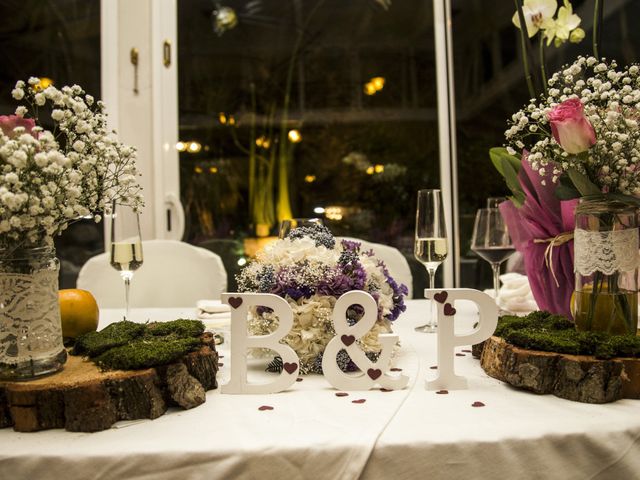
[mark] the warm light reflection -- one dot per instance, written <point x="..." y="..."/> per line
<point x="370" y="170"/>
<point x="295" y="136"/>
<point x="197" y="169"/>
<point x="333" y="213"/>
<point x="263" y="142"/>
<point x="194" y="147"/>
<point x="213" y="169"/>
<point x="242" y="262"/>
<point x="369" y="89"/>
<point x="378" y="83"/>
<point x="44" y="83"/>
<point x="378" y="168"/>
<point x="310" y="178"/>
<point x="181" y="146"/>
<point x="319" y="210"/>
<point x="232" y="120"/>
<point x="222" y="118"/>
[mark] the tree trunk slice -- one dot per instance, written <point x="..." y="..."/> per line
<point x="83" y="398"/>
<point x="580" y="378"/>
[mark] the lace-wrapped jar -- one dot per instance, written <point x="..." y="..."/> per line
<point x="606" y="267"/>
<point x="30" y="329"/>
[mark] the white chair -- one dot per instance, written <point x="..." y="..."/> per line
<point x="395" y="262"/>
<point x="173" y="274"/>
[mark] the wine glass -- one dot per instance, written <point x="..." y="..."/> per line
<point x="491" y="241"/>
<point x="287" y="225"/>
<point x="494" y="202"/>
<point x="126" y="246"/>
<point x="430" y="247"/>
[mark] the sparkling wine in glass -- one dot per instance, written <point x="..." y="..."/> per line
<point x="430" y="247"/>
<point x="126" y="246"/>
<point x="287" y="225"/>
<point x="491" y="241"/>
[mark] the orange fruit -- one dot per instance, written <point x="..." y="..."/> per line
<point x="78" y="312"/>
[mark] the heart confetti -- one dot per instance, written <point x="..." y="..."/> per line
<point x="290" y="367"/>
<point x="386" y="389"/>
<point x="374" y="373"/>
<point x="342" y="394"/>
<point x="434" y="367"/>
<point x="348" y="339"/>
<point x="477" y="404"/>
<point x="220" y="364"/>
<point x="442" y="392"/>
<point x="360" y="400"/>
<point x="395" y="369"/>
<point x="235" y="302"/>
<point x="460" y="355"/>
<point x="449" y="311"/>
<point x="299" y="379"/>
<point x="441" y="297"/>
<point x="265" y="407"/>
<point x="467" y="350"/>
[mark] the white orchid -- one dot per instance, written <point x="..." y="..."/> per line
<point x="560" y="29"/>
<point x="538" y="15"/>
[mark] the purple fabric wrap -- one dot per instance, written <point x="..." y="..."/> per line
<point x="542" y="217"/>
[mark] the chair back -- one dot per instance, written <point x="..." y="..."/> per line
<point x="394" y="260"/>
<point x="173" y="274"/>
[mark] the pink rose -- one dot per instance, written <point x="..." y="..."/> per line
<point x="570" y="127"/>
<point x="9" y="122"/>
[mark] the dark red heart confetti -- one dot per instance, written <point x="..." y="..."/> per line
<point x="290" y="367"/>
<point x="442" y="392"/>
<point x="348" y="339"/>
<point x="467" y="350"/>
<point x="460" y="355"/>
<point x="449" y="311"/>
<point x="342" y="394"/>
<point x="265" y="407"/>
<point x="386" y="390"/>
<point x="441" y="297"/>
<point x="360" y="400"/>
<point x="477" y="404"/>
<point x="374" y="373"/>
<point x="395" y="369"/>
<point x="220" y="364"/>
<point x="433" y="367"/>
<point x="235" y="302"/>
<point x="299" y="379"/>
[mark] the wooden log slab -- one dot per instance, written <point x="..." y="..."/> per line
<point x="83" y="398"/>
<point x="580" y="378"/>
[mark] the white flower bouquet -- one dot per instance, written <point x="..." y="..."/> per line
<point x="311" y="272"/>
<point x="52" y="177"/>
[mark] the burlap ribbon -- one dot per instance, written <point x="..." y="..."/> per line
<point x="553" y="242"/>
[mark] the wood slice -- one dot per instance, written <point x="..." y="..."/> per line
<point x="83" y="398"/>
<point x="580" y="378"/>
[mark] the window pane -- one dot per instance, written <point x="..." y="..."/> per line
<point x="306" y="108"/>
<point x="59" y="40"/>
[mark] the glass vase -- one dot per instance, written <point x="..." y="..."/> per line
<point x="606" y="267"/>
<point x="30" y="329"/>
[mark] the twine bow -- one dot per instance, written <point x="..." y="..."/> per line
<point x="556" y="241"/>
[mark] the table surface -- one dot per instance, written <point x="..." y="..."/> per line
<point x="312" y="433"/>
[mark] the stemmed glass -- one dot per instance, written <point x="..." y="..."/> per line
<point x="126" y="246"/>
<point x="430" y="247"/>
<point x="491" y="241"/>
<point x="287" y="225"/>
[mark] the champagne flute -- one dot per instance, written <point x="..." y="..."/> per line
<point x="287" y="225"/>
<point x="126" y="246"/>
<point x="491" y="241"/>
<point x="430" y="247"/>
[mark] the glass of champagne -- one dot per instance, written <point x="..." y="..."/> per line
<point x="126" y="246"/>
<point x="287" y="225"/>
<point x="491" y="241"/>
<point x="430" y="247"/>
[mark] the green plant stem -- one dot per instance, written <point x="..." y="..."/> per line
<point x="524" y="42"/>
<point x="597" y="23"/>
<point x="543" y="68"/>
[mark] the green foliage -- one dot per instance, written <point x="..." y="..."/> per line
<point x="130" y="346"/>
<point x="555" y="333"/>
<point x="582" y="183"/>
<point x="508" y="166"/>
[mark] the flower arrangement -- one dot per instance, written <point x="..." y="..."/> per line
<point x="310" y="271"/>
<point x="51" y="178"/>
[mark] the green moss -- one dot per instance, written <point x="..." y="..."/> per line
<point x="181" y="328"/>
<point x="114" y="335"/>
<point x="130" y="346"/>
<point x="149" y="352"/>
<point x="555" y="333"/>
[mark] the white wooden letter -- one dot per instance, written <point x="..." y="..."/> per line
<point x="448" y="340"/>
<point x="346" y="336"/>
<point x="240" y="304"/>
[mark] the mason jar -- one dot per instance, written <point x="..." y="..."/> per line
<point x="606" y="262"/>
<point x="30" y="329"/>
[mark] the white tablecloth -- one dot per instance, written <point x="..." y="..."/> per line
<point x="313" y="434"/>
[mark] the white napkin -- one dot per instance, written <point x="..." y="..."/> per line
<point x="515" y="294"/>
<point x="213" y="313"/>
